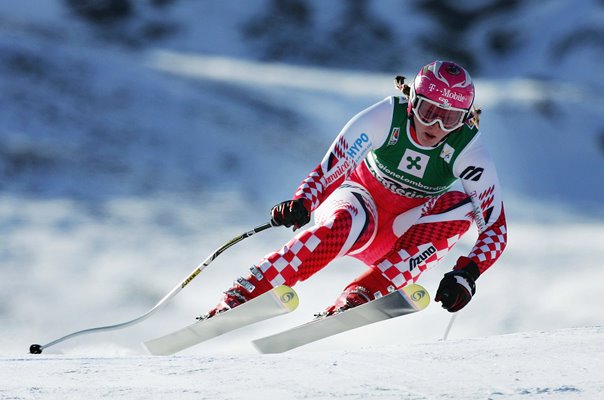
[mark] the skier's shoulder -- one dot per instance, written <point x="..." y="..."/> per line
<point x="473" y="151"/>
<point x="373" y="123"/>
<point x="381" y="113"/>
<point x="384" y="106"/>
<point x="377" y="114"/>
<point x="396" y="101"/>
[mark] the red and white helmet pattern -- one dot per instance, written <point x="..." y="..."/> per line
<point x="445" y="83"/>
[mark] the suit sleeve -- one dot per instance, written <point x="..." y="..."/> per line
<point x="365" y="131"/>
<point x="478" y="175"/>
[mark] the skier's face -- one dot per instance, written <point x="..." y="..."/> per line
<point x="429" y="136"/>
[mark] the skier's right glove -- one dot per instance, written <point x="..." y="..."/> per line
<point x="455" y="290"/>
<point x="291" y="213"/>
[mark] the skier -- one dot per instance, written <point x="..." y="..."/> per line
<point x="383" y="195"/>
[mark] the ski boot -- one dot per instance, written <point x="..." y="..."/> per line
<point x="367" y="287"/>
<point x="243" y="289"/>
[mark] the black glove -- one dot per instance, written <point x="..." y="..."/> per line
<point x="456" y="290"/>
<point x="290" y="213"/>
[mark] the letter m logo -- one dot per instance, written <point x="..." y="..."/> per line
<point x="472" y="173"/>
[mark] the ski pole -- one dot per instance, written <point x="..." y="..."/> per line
<point x="446" y="335"/>
<point x="37" y="348"/>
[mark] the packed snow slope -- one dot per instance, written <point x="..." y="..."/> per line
<point x="554" y="365"/>
<point x="130" y="149"/>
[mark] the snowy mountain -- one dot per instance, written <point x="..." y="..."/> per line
<point x="134" y="141"/>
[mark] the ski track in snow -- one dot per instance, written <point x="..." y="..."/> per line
<point x="559" y="364"/>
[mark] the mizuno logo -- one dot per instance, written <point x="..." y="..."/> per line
<point x="416" y="261"/>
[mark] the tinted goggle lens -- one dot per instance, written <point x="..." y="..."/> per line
<point x="430" y="113"/>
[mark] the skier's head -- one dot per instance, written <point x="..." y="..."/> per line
<point x="442" y="93"/>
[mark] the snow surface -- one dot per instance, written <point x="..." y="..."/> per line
<point x="122" y="168"/>
<point x="561" y="364"/>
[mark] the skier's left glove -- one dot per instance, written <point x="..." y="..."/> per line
<point x="291" y="213"/>
<point x="456" y="290"/>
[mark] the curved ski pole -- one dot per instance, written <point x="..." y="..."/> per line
<point x="37" y="348"/>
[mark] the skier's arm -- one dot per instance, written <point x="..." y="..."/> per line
<point x="478" y="175"/>
<point x="477" y="172"/>
<point x="365" y="131"/>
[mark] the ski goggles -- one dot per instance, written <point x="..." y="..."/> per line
<point x="429" y="112"/>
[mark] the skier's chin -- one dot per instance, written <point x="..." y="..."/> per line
<point x="426" y="138"/>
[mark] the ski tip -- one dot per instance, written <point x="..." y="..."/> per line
<point x="287" y="296"/>
<point x="417" y="295"/>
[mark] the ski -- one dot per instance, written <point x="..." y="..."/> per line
<point x="278" y="301"/>
<point x="410" y="299"/>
